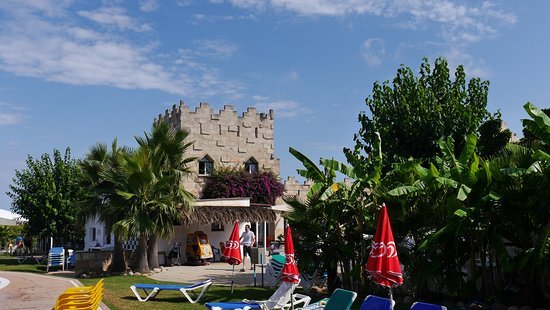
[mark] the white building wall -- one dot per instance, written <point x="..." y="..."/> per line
<point x="101" y="239"/>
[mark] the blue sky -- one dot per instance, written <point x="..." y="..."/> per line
<point x="73" y="73"/>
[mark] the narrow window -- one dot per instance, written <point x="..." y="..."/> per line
<point x="217" y="227"/>
<point x="206" y="165"/>
<point x="256" y="132"/>
<point x="93" y="234"/>
<point x="251" y="165"/>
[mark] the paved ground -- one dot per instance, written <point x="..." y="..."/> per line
<point x="220" y="272"/>
<point x="21" y="290"/>
<point x="32" y="291"/>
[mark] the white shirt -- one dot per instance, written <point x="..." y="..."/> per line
<point x="248" y="238"/>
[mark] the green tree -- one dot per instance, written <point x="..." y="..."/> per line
<point x="102" y="200"/>
<point x="531" y="132"/>
<point x="168" y="148"/>
<point x="47" y="195"/>
<point x="331" y="223"/>
<point x="492" y="137"/>
<point x="8" y="234"/>
<point x="413" y="112"/>
<point x="149" y="180"/>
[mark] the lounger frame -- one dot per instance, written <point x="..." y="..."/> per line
<point x="151" y="290"/>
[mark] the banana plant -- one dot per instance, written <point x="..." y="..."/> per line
<point x="336" y="214"/>
<point x="460" y="229"/>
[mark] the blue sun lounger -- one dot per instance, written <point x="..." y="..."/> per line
<point x="232" y="305"/>
<point x="151" y="290"/>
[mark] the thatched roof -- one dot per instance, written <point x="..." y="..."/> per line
<point x="217" y="214"/>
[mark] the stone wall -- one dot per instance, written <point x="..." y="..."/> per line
<point x="96" y="262"/>
<point x="228" y="139"/>
<point x="300" y="189"/>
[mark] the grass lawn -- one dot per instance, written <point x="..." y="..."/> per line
<point x="118" y="295"/>
<point x="9" y="263"/>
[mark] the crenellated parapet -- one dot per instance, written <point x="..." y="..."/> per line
<point x="226" y="137"/>
<point x="300" y="189"/>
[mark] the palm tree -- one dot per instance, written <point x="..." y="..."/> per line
<point x="103" y="200"/>
<point x="136" y="183"/>
<point x="168" y="148"/>
<point x="150" y="182"/>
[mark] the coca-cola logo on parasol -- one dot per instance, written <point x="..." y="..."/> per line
<point x="380" y="249"/>
<point x="290" y="258"/>
<point x="232" y="244"/>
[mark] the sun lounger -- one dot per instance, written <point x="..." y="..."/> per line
<point x="427" y="306"/>
<point x="281" y="299"/>
<point x="232" y="306"/>
<point x="339" y="300"/>
<point x="151" y="290"/>
<point x="377" y="303"/>
<point x="30" y="259"/>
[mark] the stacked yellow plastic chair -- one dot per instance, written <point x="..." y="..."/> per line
<point x="82" y="297"/>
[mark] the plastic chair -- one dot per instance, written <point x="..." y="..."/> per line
<point x="427" y="306"/>
<point x="217" y="254"/>
<point x="377" y="303"/>
<point x="56" y="258"/>
<point x="340" y="300"/>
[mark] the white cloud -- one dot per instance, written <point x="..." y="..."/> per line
<point x="218" y="49"/>
<point x="148" y="5"/>
<point x="316" y="7"/>
<point x="472" y="66"/>
<point x="457" y="23"/>
<point x="282" y="108"/>
<point x="10" y="114"/>
<point x="373" y="51"/>
<point x="115" y="16"/>
<point x="291" y="76"/>
<point x="324" y="146"/>
<point x="184" y="2"/>
<point x="7" y="119"/>
<point x="75" y="54"/>
<point x="197" y="18"/>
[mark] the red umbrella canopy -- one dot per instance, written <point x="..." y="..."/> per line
<point x="290" y="270"/>
<point x="383" y="263"/>
<point x="232" y="251"/>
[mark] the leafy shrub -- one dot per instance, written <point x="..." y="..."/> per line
<point x="262" y="187"/>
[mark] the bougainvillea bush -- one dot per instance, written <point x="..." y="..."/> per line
<point x="262" y="187"/>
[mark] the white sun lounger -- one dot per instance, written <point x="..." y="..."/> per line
<point x="151" y="290"/>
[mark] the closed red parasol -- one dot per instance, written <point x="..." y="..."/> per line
<point x="383" y="263"/>
<point x="232" y="251"/>
<point x="290" y="270"/>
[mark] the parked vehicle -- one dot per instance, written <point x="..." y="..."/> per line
<point x="198" y="249"/>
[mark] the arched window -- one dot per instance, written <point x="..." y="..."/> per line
<point x="206" y="165"/>
<point x="251" y="165"/>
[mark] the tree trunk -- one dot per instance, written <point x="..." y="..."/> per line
<point x="141" y="253"/>
<point x="152" y="254"/>
<point x="332" y="281"/>
<point x="119" y="264"/>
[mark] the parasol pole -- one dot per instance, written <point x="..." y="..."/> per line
<point x="232" y="279"/>
<point x="391" y="299"/>
<point x="292" y="297"/>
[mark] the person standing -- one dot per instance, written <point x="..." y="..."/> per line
<point x="247" y="240"/>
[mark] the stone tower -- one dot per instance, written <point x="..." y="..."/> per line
<point x="224" y="139"/>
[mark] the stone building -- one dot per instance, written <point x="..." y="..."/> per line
<point x="220" y="139"/>
<point x="224" y="139"/>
